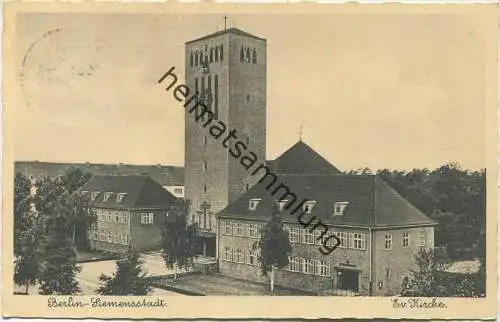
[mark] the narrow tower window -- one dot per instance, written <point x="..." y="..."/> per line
<point x="216" y="54"/>
<point x="196" y="58"/>
<point x="248" y="55"/>
<point x="254" y="57"/>
<point x="216" y="98"/>
<point x="242" y="54"/>
<point x="221" y="53"/>
<point x="196" y="85"/>
<point x="205" y="188"/>
<point x="191" y="59"/>
<point x="211" y="55"/>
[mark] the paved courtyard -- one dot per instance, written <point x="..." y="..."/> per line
<point x="212" y="284"/>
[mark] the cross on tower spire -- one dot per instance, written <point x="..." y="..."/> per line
<point x="300" y="131"/>
<point x="225" y="21"/>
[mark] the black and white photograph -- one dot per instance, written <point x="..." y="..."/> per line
<point x="165" y="155"/>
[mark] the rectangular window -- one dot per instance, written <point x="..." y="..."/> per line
<point x="228" y="228"/>
<point x="226" y="255"/>
<point x="282" y="204"/>
<point x="117" y="238"/>
<point x="110" y="236"/>
<point x="260" y="227"/>
<point x="252" y="257"/>
<point x="308" y="206"/>
<point x="252" y="231"/>
<point x="406" y="239"/>
<point x="124" y="238"/>
<point x="359" y="241"/>
<point x="294" y="235"/>
<point x="117" y="218"/>
<point x="252" y="205"/>
<point x="307" y="265"/>
<point x="125" y="218"/>
<point x="388" y="241"/>
<point x="240" y="256"/>
<point x="120" y="196"/>
<point x="233" y="256"/>
<point x="147" y="218"/>
<point x="102" y="235"/>
<point x="306" y="237"/>
<point x="239" y="230"/>
<point x="342" y="236"/>
<point x="109" y="216"/>
<point x="330" y="241"/>
<point x="294" y="264"/>
<point x="323" y="268"/>
<point x="423" y="237"/>
<point x="107" y="195"/>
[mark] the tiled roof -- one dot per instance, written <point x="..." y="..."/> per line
<point x="302" y="159"/>
<point x="234" y="31"/>
<point x="140" y="192"/>
<point x="165" y="175"/>
<point x="372" y="202"/>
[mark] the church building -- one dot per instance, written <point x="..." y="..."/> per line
<point x="379" y="231"/>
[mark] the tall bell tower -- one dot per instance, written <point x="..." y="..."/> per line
<point x="228" y="69"/>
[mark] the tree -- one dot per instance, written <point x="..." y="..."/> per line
<point x="83" y="218"/>
<point x="56" y="253"/>
<point x="25" y="264"/>
<point x="178" y="238"/>
<point x="22" y="213"/>
<point x="128" y="279"/>
<point x="428" y="279"/>
<point x="274" y="245"/>
<point x="74" y="178"/>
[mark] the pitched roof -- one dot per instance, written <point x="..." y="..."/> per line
<point x="141" y="192"/>
<point x="372" y="202"/>
<point x="165" y="175"/>
<point x="302" y="159"/>
<point x="234" y="31"/>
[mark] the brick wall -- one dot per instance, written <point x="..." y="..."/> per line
<point x="358" y="259"/>
<point x="108" y="221"/>
<point x="392" y="265"/>
<point x="241" y="102"/>
<point x="146" y="236"/>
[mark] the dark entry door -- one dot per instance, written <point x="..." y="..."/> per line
<point x="348" y="280"/>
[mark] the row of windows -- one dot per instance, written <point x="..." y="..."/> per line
<point x="248" y="55"/>
<point x="113" y="217"/>
<point x="199" y="57"/>
<point x="237" y="255"/>
<point x="109" y="236"/>
<point x="422" y="239"/>
<point x="296" y="264"/>
<point x="118" y="196"/>
<point x="205" y="84"/>
<point x="240" y="229"/>
<point x="309" y="266"/>
<point x="305" y="236"/>
<point x="146" y="218"/>
<point x="307" y="207"/>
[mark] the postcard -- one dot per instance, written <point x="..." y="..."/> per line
<point x="226" y="161"/>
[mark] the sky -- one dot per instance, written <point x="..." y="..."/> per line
<point x="377" y="91"/>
